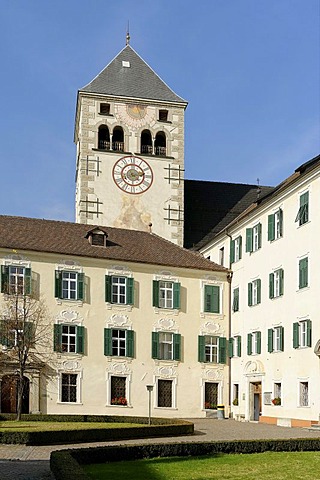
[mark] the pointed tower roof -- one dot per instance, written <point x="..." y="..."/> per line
<point x="127" y="75"/>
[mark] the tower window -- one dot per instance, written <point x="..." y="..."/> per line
<point x="163" y="115"/>
<point x="118" y="139"/>
<point x="160" y="144"/>
<point x="103" y="138"/>
<point x="105" y="108"/>
<point x="146" y="142"/>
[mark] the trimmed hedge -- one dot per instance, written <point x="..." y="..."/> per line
<point x="65" y="465"/>
<point x="87" y="418"/>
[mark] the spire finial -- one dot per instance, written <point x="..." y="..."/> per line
<point x="128" y="35"/>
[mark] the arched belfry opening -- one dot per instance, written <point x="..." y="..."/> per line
<point x="146" y="142"/>
<point x="118" y="139"/>
<point x="103" y="138"/>
<point x="160" y="144"/>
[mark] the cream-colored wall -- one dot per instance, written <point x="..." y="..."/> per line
<point x="120" y="209"/>
<point x="292" y="365"/>
<point x="95" y="314"/>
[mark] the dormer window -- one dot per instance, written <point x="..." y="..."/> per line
<point x="104" y="108"/>
<point x="163" y="115"/>
<point x="97" y="238"/>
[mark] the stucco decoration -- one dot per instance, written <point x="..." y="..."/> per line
<point x="17" y="260"/>
<point x="120" y="368"/>
<point x="213" y="374"/>
<point x="164" y="324"/>
<point x="118" y="320"/>
<point x="70" y="264"/>
<point x="212" y="279"/>
<point x="69" y="316"/>
<point x="254" y="367"/>
<point x="70" y="366"/>
<point x="317" y="348"/>
<point x="117" y="269"/>
<point x="211" y="328"/>
<point x="166" y="371"/>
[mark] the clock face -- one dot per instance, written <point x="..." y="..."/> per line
<point x="132" y="175"/>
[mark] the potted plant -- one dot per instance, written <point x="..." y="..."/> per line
<point x="210" y="406"/>
<point x="119" y="401"/>
<point x="276" y="401"/>
<point x="235" y="402"/>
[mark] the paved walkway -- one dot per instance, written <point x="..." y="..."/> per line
<point x="21" y="462"/>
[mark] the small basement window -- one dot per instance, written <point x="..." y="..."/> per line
<point x="105" y="108"/>
<point x="163" y="115"/>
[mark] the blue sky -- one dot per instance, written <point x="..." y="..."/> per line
<point x="248" y="68"/>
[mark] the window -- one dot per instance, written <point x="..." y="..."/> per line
<point x="303" y="212"/>
<point x="254" y="292"/>
<point x="166" y="346"/>
<point x="69" y="387"/>
<point x="275" y="339"/>
<point x="166" y="294"/>
<point x="15" y="280"/>
<point x="235" y="395"/>
<point x="118" y="343"/>
<point x="276" y="283"/>
<point x="14" y="333"/>
<point x="303" y="272"/>
<point x="146" y="142"/>
<point x="160" y="144"/>
<point x="163" y="115"/>
<point x="164" y="393"/>
<point x="236" y="249"/>
<point x="103" y="138"/>
<point x="303" y="394"/>
<point x="119" y="290"/>
<point x="235" y="346"/>
<point x="277" y="393"/>
<point x="69" y="285"/>
<point x="104" y="108"/>
<point x="221" y="256"/>
<point x="118" y="139"/>
<point x="302" y="334"/>
<point x="254" y="343"/>
<point x="118" y="391"/>
<point x="69" y="338"/>
<point x="212" y="349"/>
<point x="211" y="390"/>
<point x="211" y="299"/>
<point x="275" y="222"/>
<point x="235" y="302"/>
<point x="253" y="238"/>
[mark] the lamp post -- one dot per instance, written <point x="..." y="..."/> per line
<point x="149" y="388"/>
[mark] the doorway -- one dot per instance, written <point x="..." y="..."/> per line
<point x="9" y="394"/>
<point x="256" y="401"/>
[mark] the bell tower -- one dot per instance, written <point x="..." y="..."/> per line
<point x="129" y="133"/>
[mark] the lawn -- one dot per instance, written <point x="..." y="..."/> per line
<point x="262" y="466"/>
<point x="14" y="426"/>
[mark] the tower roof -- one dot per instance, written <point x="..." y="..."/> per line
<point x="127" y="75"/>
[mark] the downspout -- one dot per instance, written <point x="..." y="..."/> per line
<point x="229" y="278"/>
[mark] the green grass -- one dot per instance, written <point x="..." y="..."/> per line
<point x="258" y="466"/>
<point x="14" y="426"/>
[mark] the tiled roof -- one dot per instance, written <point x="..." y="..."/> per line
<point x="137" y="81"/>
<point x="211" y="206"/>
<point x="64" y="238"/>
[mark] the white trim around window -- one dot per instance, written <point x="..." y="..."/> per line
<point x="78" y="386"/>
<point x="128" y="379"/>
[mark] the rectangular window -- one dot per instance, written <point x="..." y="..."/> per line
<point x="212" y="298"/>
<point x="118" y="343"/>
<point x="166" y="346"/>
<point x="164" y="393"/>
<point x="302" y="334"/>
<point x="236" y="249"/>
<point x="275" y="222"/>
<point x="118" y="391"/>
<point x="275" y="339"/>
<point x="212" y="349"/>
<point x="211" y="395"/>
<point x="221" y="256"/>
<point x="254" y="292"/>
<point x="235" y="302"/>
<point x="69" y="387"/>
<point x="253" y="238"/>
<point x="303" y="272"/>
<point x="104" y="108"/>
<point x="235" y="395"/>
<point x="119" y="290"/>
<point x="69" y="338"/>
<point x="303" y="212"/>
<point x="254" y="343"/>
<point x="276" y="280"/>
<point x="163" y="115"/>
<point x="304" y="394"/>
<point x="277" y="393"/>
<point x="15" y="280"/>
<point x="166" y="294"/>
<point x="69" y="285"/>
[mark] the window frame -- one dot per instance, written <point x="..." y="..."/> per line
<point x="254" y="343"/>
<point x="217" y="352"/>
<point x="211" y="298"/>
<point x="302" y="334"/>
<point x="254" y="292"/>
<point x="276" y="339"/>
<point x="236" y="249"/>
<point x="112" y="350"/>
<point x="303" y="395"/>
<point x="156" y="347"/>
<point x="128" y="287"/>
<point x="7" y="274"/>
<point x="175" y="291"/>
<point x="275" y="225"/>
<point x="79" y="281"/>
<point x="77" y="386"/>
<point x="303" y="212"/>
<point x="79" y="338"/>
<point x="254" y="238"/>
<point x="276" y="283"/>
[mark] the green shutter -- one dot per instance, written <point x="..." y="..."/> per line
<point x="249" y="240"/>
<point x="80" y="339"/>
<point x="130" y="343"/>
<point x="201" y="348"/>
<point x="27" y="281"/>
<point x="57" y="337"/>
<point x="58" y="284"/>
<point x="222" y="350"/>
<point x="176" y="346"/>
<point x="259" y="290"/>
<point x="259" y="234"/>
<point x="230" y="345"/>
<point x="155" y="345"/>
<point x="239" y="345"/>
<point x="281" y="221"/>
<point x="303" y="273"/>
<point x="309" y="339"/>
<point x="176" y="295"/>
<point x="270" y="340"/>
<point x="249" y="344"/>
<point x="4" y="279"/>
<point x="271" y="229"/>
<point x="80" y="282"/>
<point x="232" y="248"/>
<point x="129" y="291"/>
<point x="29" y="332"/>
<point x="250" y="294"/>
<point x="281" y="339"/>
<point x="281" y="274"/>
<point x="304" y="202"/>
<point x="107" y="288"/>
<point x="258" y="342"/>
<point x="235" y="305"/>
<point x="215" y="299"/>
<point x="240" y="247"/>
<point x="4" y="340"/>
<point x="155" y="295"/>
<point x="271" y="285"/>
<point x="208" y="298"/>
<point x="108" y="341"/>
<point x="296" y="335"/>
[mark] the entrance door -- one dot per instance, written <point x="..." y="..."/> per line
<point x="9" y="394"/>
<point x="256" y="391"/>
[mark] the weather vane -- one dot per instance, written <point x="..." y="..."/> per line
<point x="128" y="35"/>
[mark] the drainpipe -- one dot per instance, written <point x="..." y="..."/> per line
<point x="229" y="278"/>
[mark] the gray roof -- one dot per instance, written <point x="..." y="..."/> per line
<point x="137" y="81"/>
